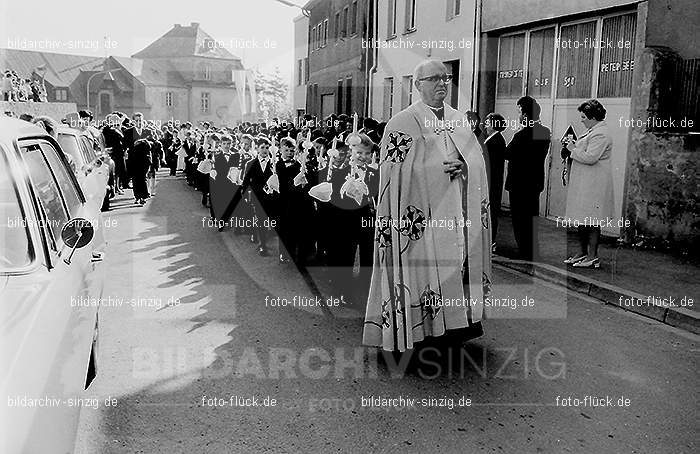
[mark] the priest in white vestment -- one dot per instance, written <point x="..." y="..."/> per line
<point x="432" y="258"/>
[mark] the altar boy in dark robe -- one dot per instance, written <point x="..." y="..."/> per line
<point x="239" y="211"/>
<point x="287" y="169"/>
<point x="221" y="190"/>
<point x="305" y="209"/>
<point x="360" y="229"/>
<point x="334" y="217"/>
<point x="190" y="147"/>
<point x="262" y="198"/>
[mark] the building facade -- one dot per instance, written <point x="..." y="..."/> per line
<point x="58" y="71"/>
<point x="301" y="65"/>
<point x="185" y="75"/>
<point x="337" y="80"/>
<point x="408" y="32"/>
<point x="563" y="53"/>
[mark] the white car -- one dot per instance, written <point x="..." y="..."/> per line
<point x="50" y="269"/>
<point x="92" y="171"/>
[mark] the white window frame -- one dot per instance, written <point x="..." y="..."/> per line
<point x="410" y="24"/>
<point x="205" y="102"/>
<point x="391" y="14"/>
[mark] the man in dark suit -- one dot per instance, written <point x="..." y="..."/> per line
<point x="139" y="163"/>
<point x="114" y="141"/>
<point x="526" y="155"/>
<point x="496" y="150"/>
<point x="132" y="134"/>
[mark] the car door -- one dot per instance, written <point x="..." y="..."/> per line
<point x="57" y="348"/>
<point x="84" y="165"/>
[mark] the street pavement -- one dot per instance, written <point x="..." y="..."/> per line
<point x="188" y="342"/>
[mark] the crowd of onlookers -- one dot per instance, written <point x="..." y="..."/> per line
<point x="22" y="89"/>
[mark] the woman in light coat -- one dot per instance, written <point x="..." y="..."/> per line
<point x="589" y="200"/>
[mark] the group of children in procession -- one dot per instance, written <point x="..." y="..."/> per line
<point x="314" y="188"/>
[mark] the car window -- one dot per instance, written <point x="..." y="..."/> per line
<point x="47" y="189"/>
<point x="15" y="245"/>
<point x="69" y="145"/>
<point x="65" y="182"/>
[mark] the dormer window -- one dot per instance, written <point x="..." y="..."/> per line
<point x="209" y="44"/>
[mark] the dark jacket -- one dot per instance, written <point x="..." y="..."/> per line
<point x="131" y="135"/>
<point x="526" y="155"/>
<point x="140" y="158"/>
<point x="114" y="139"/>
<point x="286" y="171"/>
<point x="255" y="178"/>
<point x="496" y="148"/>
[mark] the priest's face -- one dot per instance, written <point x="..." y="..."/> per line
<point x="431" y="83"/>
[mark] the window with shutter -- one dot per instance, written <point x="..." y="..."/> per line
<point x="576" y="51"/>
<point x="540" y="61"/>
<point x="388" y="97"/>
<point x="511" y="53"/>
<point x="617" y="59"/>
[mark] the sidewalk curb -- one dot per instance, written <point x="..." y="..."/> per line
<point x="628" y="300"/>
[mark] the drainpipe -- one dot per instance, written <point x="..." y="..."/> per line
<point x="372" y="13"/>
<point x="476" y="60"/>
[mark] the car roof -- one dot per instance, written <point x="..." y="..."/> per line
<point x="14" y="127"/>
<point x="68" y="130"/>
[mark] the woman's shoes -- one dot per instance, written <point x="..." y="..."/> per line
<point x="588" y="263"/>
<point x="574" y="259"/>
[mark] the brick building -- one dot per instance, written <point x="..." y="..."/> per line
<point x="338" y="61"/>
<point x="637" y="59"/>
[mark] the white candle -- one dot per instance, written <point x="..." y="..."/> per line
<point x="354" y="123"/>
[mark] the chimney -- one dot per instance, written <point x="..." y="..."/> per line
<point x="177" y="25"/>
<point x="194" y="24"/>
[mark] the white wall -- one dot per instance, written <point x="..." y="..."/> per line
<point x="435" y="37"/>
<point x="155" y="97"/>
<point x="301" y="51"/>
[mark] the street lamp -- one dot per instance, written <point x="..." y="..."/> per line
<point x="87" y="88"/>
<point x="304" y="11"/>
